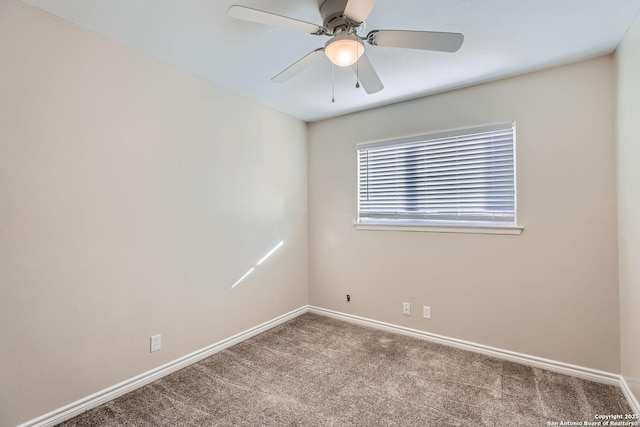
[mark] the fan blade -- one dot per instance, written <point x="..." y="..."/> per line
<point x="367" y="75"/>
<point x="358" y="10"/>
<point x="294" y="69"/>
<point x="267" y="18"/>
<point x="427" y="40"/>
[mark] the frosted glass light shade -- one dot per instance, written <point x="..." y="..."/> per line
<point x="344" y="49"/>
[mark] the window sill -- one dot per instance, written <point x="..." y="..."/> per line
<point x="441" y="228"/>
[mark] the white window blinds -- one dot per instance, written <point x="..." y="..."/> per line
<point x="465" y="176"/>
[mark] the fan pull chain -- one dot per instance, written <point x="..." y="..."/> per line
<point x="333" y="83"/>
<point x="357" y="66"/>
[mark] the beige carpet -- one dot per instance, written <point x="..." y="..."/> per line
<point x="316" y="371"/>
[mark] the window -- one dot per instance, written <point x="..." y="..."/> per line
<point x="452" y="179"/>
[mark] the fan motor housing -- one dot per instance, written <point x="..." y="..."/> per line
<point x="332" y="12"/>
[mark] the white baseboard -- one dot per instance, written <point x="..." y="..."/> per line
<point x="69" y="411"/>
<point x="538" y="362"/>
<point x="62" y="414"/>
<point x="631" y="399"/>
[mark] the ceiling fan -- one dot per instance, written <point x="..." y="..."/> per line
<point x="343" y="20"/>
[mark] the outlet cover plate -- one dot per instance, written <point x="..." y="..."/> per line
<point x="156" y="343"/>
<point x="426" y="312"/>
<point x="406" y="309"/>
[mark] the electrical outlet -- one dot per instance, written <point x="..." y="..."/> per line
<point x="156" y="343"/>
<point x="406" y="309"/>
<point x="426" y="312"/>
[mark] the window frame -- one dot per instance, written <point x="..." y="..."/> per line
<point x="432" y="225"/>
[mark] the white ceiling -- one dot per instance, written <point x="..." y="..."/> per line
<point x="502" y="38"/>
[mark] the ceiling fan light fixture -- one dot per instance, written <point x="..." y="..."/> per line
<point x="344" y="49"/>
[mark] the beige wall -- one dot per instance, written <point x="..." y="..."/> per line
<point x="550" y="292"/>
<point x="628" y="61"/>
<point x="133" y="195"/>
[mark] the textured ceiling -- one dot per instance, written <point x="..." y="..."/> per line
<point x="502" y="38"/>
